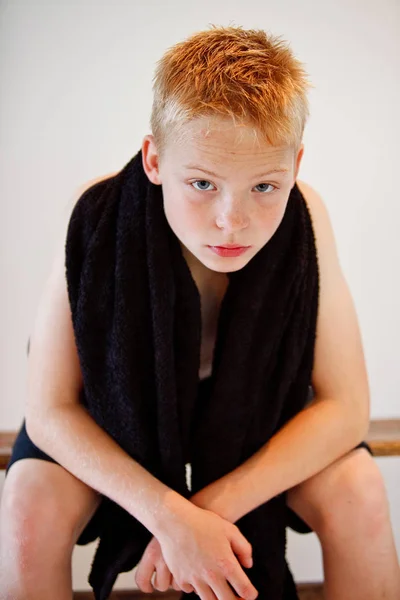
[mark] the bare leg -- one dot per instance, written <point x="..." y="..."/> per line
<point x="347" y="507"/>
<point x="360" y="559"/>
<point x="44" y="508"/>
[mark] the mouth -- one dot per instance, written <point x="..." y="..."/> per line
<point x="231" y="246"/>
<point x="229" y="251"/>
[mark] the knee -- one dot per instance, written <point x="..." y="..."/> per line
<point x="355" y="496"/>
<point x="31" y="522"/>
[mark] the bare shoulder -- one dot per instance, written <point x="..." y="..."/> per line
<point x="323" y="230"/>
<point x="313" y="200"/>
<point x="87" y="184"/>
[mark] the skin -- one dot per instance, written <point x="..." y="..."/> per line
<point x="241" y="204"/>
<point x="237" y="207"/>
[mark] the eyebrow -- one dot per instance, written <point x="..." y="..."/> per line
<point x="274" y="170"/>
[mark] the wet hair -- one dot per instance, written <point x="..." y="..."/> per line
<point x="245" y="74"/>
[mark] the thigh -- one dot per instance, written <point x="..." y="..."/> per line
<point x="24" y="449"/>
<point x="41" y="496"/>
<point x="306" y="500"/>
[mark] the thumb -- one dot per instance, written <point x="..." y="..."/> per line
<point x="242" y="548"/>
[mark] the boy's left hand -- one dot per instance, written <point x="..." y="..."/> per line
<point x="153" y="561"/>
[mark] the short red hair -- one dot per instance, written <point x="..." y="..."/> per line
<point x="248" y="75"/>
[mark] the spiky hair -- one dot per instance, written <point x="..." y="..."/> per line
<point x="248" y="75"/>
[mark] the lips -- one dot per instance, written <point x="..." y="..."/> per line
<point x="228" y="251"/>
<point x="231" y="246"/>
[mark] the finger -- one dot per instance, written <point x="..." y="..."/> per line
<point x="144" y="574"/>
<point x="203" y="590"/>
<point x="241" y="583"/>
<point x="246" y="561"/>
<point x="188" y="588"/>
<point x="242" y="548"/>
<point x="175" y="585"/>
<point x="162" y="579"/>
<point x="221" y="588"/>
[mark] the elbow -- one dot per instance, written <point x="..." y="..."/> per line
<point x="32" y="426"/>
<point x="35" y="425"/>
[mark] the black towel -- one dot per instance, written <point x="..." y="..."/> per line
<point x="137" y="322"/>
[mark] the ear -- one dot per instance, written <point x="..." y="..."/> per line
<point x="150" y="159"/>
<point x="298" y="161"/>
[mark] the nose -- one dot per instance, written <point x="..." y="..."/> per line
<point x="232" y="217"/>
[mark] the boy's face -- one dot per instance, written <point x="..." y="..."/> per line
<point x="239" y="204"/>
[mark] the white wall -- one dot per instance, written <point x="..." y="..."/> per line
<point x="75" y="101"/>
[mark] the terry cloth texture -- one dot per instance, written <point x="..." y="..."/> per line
<point x="137" y="321"/>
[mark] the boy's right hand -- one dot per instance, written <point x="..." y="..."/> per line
<point x="199" y="548"/>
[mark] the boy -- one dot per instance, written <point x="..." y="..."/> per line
<point x="229" y="105"/>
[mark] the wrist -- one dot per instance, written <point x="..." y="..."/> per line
<point x="218" y="499"/>
<point x="174" y="508"/>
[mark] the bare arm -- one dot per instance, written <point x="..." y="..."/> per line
<point x="59" y="425"/>
<point x="70" y="435"/>
<point x="336" y="420"/>
<point x="308" y="443"/>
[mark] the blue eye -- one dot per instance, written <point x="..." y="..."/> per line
<point x="201" y="181"/>
<point x="270" y="184"/>
<point x="205" y="189"/>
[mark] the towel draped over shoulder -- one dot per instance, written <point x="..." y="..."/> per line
<point x="136" y="314"/>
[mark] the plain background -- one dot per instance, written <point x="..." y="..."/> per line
<point x="75" y="101"/>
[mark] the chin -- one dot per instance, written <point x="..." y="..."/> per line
<point x="226" y="265"/>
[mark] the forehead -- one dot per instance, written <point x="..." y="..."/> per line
<point x="221" y="140"/>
